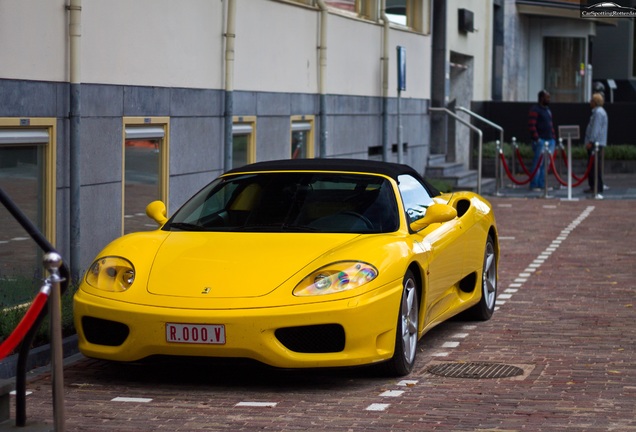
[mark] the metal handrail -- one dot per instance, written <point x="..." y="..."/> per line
<point x="475" y="129"/>
<point x="501" y="140"/>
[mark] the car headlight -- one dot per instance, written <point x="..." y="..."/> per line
<point x="335" y="278"/>
<point x="111" y="273"/>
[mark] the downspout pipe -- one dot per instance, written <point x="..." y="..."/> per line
<point x="75" y="34"/>
<point x="322" y="77"/>
<point x="385" y="84"/>
<point x="230" y="37"/>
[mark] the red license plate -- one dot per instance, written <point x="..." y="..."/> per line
<point x="195" y="333"/>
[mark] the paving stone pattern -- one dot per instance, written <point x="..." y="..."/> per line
<point x="565" y="315"/>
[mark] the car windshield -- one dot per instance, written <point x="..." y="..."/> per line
<point x="291" y="202"/>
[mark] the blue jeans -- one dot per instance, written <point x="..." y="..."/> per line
<point x="538" y="181"/>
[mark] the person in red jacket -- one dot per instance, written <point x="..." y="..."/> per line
<point x="541" y="131"/>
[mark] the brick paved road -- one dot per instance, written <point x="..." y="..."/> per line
<point x="565" y="317"/>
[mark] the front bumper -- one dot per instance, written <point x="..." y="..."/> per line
<point x="368" y="322"/>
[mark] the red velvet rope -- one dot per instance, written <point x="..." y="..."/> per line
<point x="536" y="169"/>
<point x="523" y="167"/>
<point x="9" y="344"/>
<point x="588" y="170"/>
<point x="530" y="175"/>
<point x="578" y="180"/>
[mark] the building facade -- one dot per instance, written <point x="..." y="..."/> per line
<point x="108" y="105"/>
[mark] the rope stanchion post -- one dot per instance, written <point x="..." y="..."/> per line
<point x="546" y="167"/>
<point x="497" y="168"/>
<point x="597" y="194"/>
<point x="569" y="167"/>
<point x="513" y="163"/>
<point x="560" y="166"/>
<point x="52" y="263"/>
<point x="569" y="133"/>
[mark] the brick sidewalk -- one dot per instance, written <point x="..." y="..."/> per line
<point x="565" y="316"/>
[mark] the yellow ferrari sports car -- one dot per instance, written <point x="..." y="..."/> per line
<point x="296" y="264"/>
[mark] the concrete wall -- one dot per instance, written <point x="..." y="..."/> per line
<point x="477" y="44"/>
<point x="196" y="137"/>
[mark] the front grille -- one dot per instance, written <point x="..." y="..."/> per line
<point x="323" y="338"/>
<point x="104" y="332"/>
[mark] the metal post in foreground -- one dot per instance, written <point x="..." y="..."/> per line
<point x="52" y="263"/>
<point x="597" y="194"/>
<point x="513" y="160"/>
<point x="560" y="158"/>
<point x="569" y="167"/>
<point x="498" y="152"/>
<point x="546" y="167"/>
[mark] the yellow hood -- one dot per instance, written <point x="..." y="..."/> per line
<point x="234" y="265"/>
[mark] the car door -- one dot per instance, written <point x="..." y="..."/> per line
<point x="436" y="248"/>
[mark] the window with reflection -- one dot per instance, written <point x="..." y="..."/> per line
<point x="311" y="202"/>
<point x="302" y="141"/>
<point x="145" y="173"/>
<point x="564" y="74"/>
<point x="347" y="5"/>
<point x="415" y="197"/>
<point x="243" y="139"/>
<point x="367" y="9"/>
<point x="396" y="11"/>
<point x="414" y="14"/>
<point x="27" y="178"/>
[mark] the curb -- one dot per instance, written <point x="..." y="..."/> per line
<point x="38" y="357"/>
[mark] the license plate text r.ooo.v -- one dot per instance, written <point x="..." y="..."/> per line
<point x="195" y="333"/>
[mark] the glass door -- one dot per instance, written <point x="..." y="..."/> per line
<point x="565" y="68"/>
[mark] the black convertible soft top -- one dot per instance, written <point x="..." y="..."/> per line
<point x="389" y="169"/>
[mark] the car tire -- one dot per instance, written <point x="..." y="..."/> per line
<point x="483" y="310"/>
<point x="406" y="336"/>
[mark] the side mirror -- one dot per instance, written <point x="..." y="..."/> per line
<point x="437" y="213"/>
<point x="156" y="211"/>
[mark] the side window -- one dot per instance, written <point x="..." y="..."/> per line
<point x="414" y="197"/>
<point x="243" y="141"/>
<point x="413" y="14"/>
<point x="302" y="137"/>
<point x="346" y="5"/>
<point x="27" y="177"/>
<point x="361" y="8"/>
<point x="145" y="170"/>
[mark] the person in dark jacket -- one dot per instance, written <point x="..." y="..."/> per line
<point x="541" y="131"/>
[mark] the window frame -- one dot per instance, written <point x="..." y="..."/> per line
<point x="371" y="10"/>
<point x="245" y="125"/>
<point x="415" y="16"/>
<point x="164" y="157"/>
<point x="299" y="119"/>
<point x="49" y="167"/>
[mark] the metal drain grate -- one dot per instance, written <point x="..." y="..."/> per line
<point x="475" y="370"/>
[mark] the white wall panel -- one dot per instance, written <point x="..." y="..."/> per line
<point x="477" y="44"/>
<point x="418" y="64"/>
<point x="170" y="43"/>
<point x="277" y="50"/>
<point x="153" y="42"/>
<point x="276" y="47"/>
<point x="33" y="40"/>
<point x="354" y="57"/>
